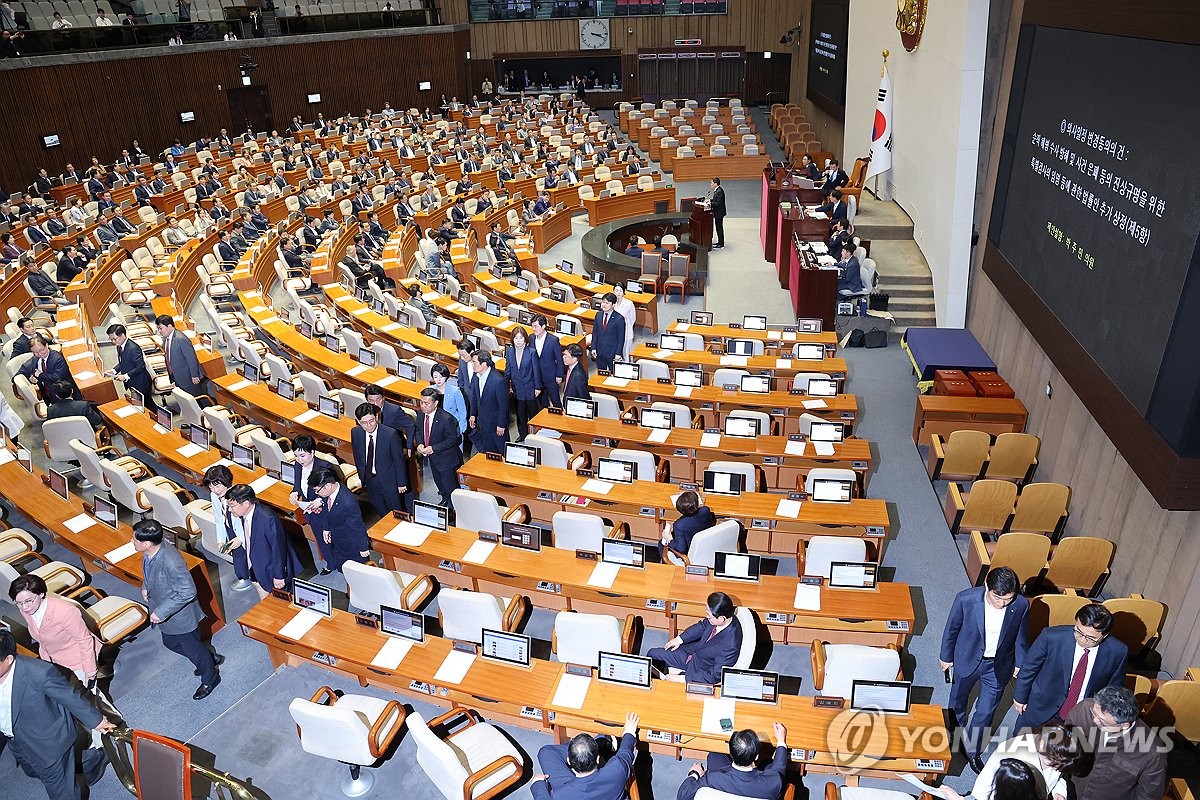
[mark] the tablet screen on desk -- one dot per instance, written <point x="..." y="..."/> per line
<point x="754" y="323"/>
<point x="822" y="387"/>
<point x="509" y="648"/>
<point x="287" y="389"/>
<point x="464" y="298"/>
<point x="366" y="357"/>
<point x="306" y="330"/>
<point x="520" y="455"/>
<point x="755" y="686"/>
<point x="403" y="319"/>
<point x="809" y="325"/>
<point x="58" y="484"/>
<point x="312" y="596"/>
<point x="689" y="377"/>
<point x="737" y="566"/>
<point x="756" y="384"/>
<point x="242" y="456"/>
<point x="567" y="267"/>
<point x="525" y="317"/>
<point x="430" y="515"/>
<point x="724" y="482"/>
<point x="401" y="624"/>
<point x="890" y="697"/>
<point x="165" y="418"/>
<point x="627" y="371"/>
<point x="434" y="330"/>
<point x="701" y="318"/>
<point x="377" y="306"/>
<point x="566" y="327"/>
<point x="634" y="286"/>
<point x="740" y="347"/>
<point x="520" y="535"/>
<point x="250" y="372"/>
<point x="287" y="473"/>
<point x="809" y="352"/>
<point x="522" y="283"/>
<point x="491" y="307"/>
<point x="407" y="371"/>
<point x="657" y="418"/>
<point x="598" y="277"/>
<point x="853" y="575"/>
<point x="329" y="407"/>
<point x="332" y="342"/>
<point x="616" y="470"/>
<point x="832" y="490"/>
<point x="827" y="431"/>
<point x="106" y="510"/>
<point x="672" y="341"/>
<point x="136" y="398"/>
<point x="557" y="294"/>
<point x="201" y="437"/>
<point x="624" y="669"/>
<point x="625" y="553"/>
<point x="746" y="427"/>
<point x="580" y="408"/>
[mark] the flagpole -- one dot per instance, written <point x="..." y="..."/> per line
<point x="882" y="72"/>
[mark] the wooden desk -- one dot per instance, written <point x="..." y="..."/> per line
<point x="74" y="332"/>
<point x="714" y="402"/>
<point x="646" y="303"/>
<point x="42" y="507"/>
<point x="813" y="290"/>
<point x="774" y="339"/>
<point x="630" y="204"/>
<point x="505" y="291"/>
<point x="549" y="230"/>
<point x="470" y="318"/>
<point x="728" y="167"/>
<point x="289" y="418"/>
<point x="645" y="505"/>
<point x="689" y="458"/>
<point x="846" y="616"/>
<point x="943" y="415"/>
<point x="359" y="315"/>
<point x="780" y="367"/>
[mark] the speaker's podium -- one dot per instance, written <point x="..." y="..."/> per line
<point x="780" y="185"/>
<point x="700" y="221"/>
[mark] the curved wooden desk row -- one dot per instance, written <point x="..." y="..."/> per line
<point x="74" y="334"/>
<point x="688" y="456"/>
<point x="525" y="697"/>
<point x="775" y="339"/>
<point x="96" y="544"/>
<point x="781" y="368"/>
<point x="771" y="528"/>
<point x="506" y="292"/>
<point x="662" y="594"/>
<point x="714" y="402"/>
<point x="630" y="204"/>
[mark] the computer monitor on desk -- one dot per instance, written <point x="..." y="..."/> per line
<point x="579" y="408"/>
<point x="520" y="536"/>
<point x="754" y="322"/>
<point x="624" y="669"/>
<point x="250" y="372"/>
<point x="521" y="455"/>
<point x="287" y="389"/>
<point x="827" y="432"/>
<point x="616" y="470"/>
<point x="623" y="552"/>
<point x="401" y="624"/>
<point x="750" y="685"/>
<point x="242" y="456"/>
<point x="832" y="490"/>
<point x="672" y="341"/>
<point x="742" y="427"/>
<point x="809" y="352"/>
<point x="890" y="697"/>
<point x="201" y="437"/>
<point x="740" y="347"/>
<point x="329" y="407"/>
<point x="626" y="371"/>
<point x="657" y="418"/>
<point x="507" y="648"/>
<point x="366" y="356"/>
<point x="406" y="370"/>
<point x="822" y="387"/>
<point x="731" y="483"/>
<point x="105" y="510"/>
<point x="430" y="515"/>
<point x="692" y="378"/>
<point x="756" y="384"/>
<point x="566" y="327"/>
<point x="313" y="597"/>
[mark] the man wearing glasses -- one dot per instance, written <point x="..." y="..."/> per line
<point x="1067" y="664"/>
<point x="1129" y="760"/>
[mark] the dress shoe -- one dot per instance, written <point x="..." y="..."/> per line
<point x="206" y="689"/>
<point x="218" y="659"/>
<point x="976" y="763"/>
<point x="323" y="571"/>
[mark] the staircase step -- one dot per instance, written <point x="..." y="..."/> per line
<point x="905" y="290"/>
<point x="866" y="230"/>
<point x="894" y="279"/>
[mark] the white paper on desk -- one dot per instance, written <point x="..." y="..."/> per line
<point x="788" y="336"/>
<point x="604" y="574"/>
<point x="920" y="785"/>
<point x="73" y="342"/>
<point x="788" y="508"/>
<point x="812" y="405"/>
<point x="663" y="353"/>
<point x="734" y="361"/>
<point x="455" y="667"/>
<point x="6" y="455"/>
<point x="683" y="327"/>
<point x="710" y="440"/>
<point x="794" y="448"/>
<point x="120" y="553"/>
<point x="221" y="462"/>
<point x="783" y="363"/>
<point x="823" y="448"/>
<point x="160" y="429"/>
<point x="409" y="534"/>
<point x="126" y="411"/>
<point x="189" y="450"/>
<point x="658" y="435"/>
<point x="594" y="486"/>
<point x="358" y="312"/>
<point x="455" y="306"/>
<point x="620" y="383"/>
<point x="79" y="523"/>
<point x="86" y="375"/>
<point x="818" y="215"/>
<point x="80" y="356"/>
<point x="354" y="372"/>
<point x="490" y="281"/>
<point x="715" y="710"/>
<point x="430" y="296"/>
<point x="590" y="285"/>
<point x="388" y="381"/>
<point x="268" y="320"/>
<point x="683" y="391"/>
<point x="261" y="484"/>
<point x="391" y="326"/>
<point x="237" y="387"/>
<point x="258" y="309"/>
<point x="478" y="552"/>
<point x="572" y="691"/>
<point x="506" y="324"/>
<point x="304" y="621"/>
<point x="392" y="653"/>
<point x="307" y="416"/>
<point x="808" y="598"/>
<point x="819" y="247"/>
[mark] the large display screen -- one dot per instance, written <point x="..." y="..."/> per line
<point x="827" y="55"/>
<point x="1096" y="207"/>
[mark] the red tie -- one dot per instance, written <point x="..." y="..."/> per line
<point x="706" y="641"/>
<point x="428" y="424"/>
<point x="1076" y="690"/>
<point x="605" y="326"/>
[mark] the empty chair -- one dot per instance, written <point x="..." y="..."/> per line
<point x="580" y="638"/>
<point x="1137" y="621"/>
<point x="724" y="537"/>
<point x="1041" y="508"/>
<point x="1176" y="704"/>
<point x="986" y="508"/>
<point x="113" y="617"/>
<point x="464" y="614"/>
<point x="607" y="406"/>
<point x="751" y="474"/>
<point x="816" y="556"/>
<point x="960" y="457"/>
<point x="651" y="370"/>
<point x="800" y="381"/>
<point x="17" y="542"/>
<point x="573" y="530"/>
<point x="683" y="414"/>
<point x="766" y="426"/>
<point x="1024" y="553"/>
<point x="831" y="474"/>
<point x="167" y="505"/>
<point x="60" y="577"/>
<point x="725" y="376"/>
<point x="1081" y="563"/>
<point x="371" y="586"/>
<point x="1013" y="457"/>
<point x="835" y="667"/>
<point x="227" y="427"/>
<point x="647" y="466"/>
<point x="554" y="453"/>
<point x="354" y="729"/>
<point x="471" y="761"/>
<point x="90" y="463"/>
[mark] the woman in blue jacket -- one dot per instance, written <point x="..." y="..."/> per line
<point x="524" y="380"/>
<point x="452" y="397"/>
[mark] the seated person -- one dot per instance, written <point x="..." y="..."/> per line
<point x="542" y="205"/>
<point x="850" y="280"/>
<point x="417" y="301"/>
<point x="24" y="339"/>
<point x="437" y="263"/>
<point x="68" y="265"/>
<point x="634" y="249"/>
<point x="736" y="773"/>
<point x="693" y="518"/>
<point x="840" y="233"/>
<point x="498" y="240"/>
<point x="704" y="648"/>
<point x="834" y="177"/>
<point x="62" y="403"/>
<point x="574" y="770"/>
<point x="836" y="208"/>
<point x="41" y="284"/>
<point x="808" y="168"/>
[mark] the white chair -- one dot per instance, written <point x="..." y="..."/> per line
<point x="17" y="542"/>
<point x="371" y="586"/>
<point x="765" y="427"/>
<point x="166" y="507"/>
<point x="354" y="729"/>
<point x="125" y="490"/>
<point x="683" y="414"/>
<point x="90" y="464"/>
<point x="607" y="406"/>
<point x="464" y="614"/>
<point x="816" y="556"/>
<point x="749" y="472"/>
<point x="720" y="538"/>
<point x="190" y="412"/>
<point x="475" y="762"/>
<point x="554" y="453"/>
<point x="271" y="456"/>
<point x="648" y="467"/>
<point x="59" y="434"/>
<point x="835" y="792"/>
<point x="580" y="638"/>
<point x="836" y="667"/>
<point x="59" y="576"/>
<point x="828" y="473"/>
<point x="478" y="511"/>
<point x="574" y="530"/>
<point x="651" y="370"/>
<point x="806" y="420"/>
<point x="746" y="619"/>
<point x="227" y="427"/>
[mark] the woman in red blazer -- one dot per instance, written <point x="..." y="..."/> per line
<point x="62" y="635"/>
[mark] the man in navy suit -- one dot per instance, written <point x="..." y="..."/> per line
<point x="379" y="457"/>
<point x="573" y="771"/>
<point x="40" y="723"/>
<point x="47" y="367"/>
<point x="836" y="208"/>
<point x="393" y="416"/>
<point x="549" y="362"/>
<point x="487" y="405"/>
<point x="707" y="646"/>
<point x="1067" y="664"/>
<point x="131" y="365"/>
<point x="272" y="562"/>
<point x="338" y="522"/>
<point x="608" y="333"/>
<point x="985" y="643"/>
<point x="437" y="442"/>
<point x="736" y="774"/>
<point x="23" y="342"/>
<point x="182" y="364"/>
<point x="574" y="382"/>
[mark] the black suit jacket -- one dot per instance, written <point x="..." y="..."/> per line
<point x="271" y="557"/>
<point x="766" y="784"/>
<point x="443" y="438"/>
<point x="390" y="469"/>
<point x="344" y="522"/>
<point x="56" y="370"/>
<point x="575" y="384"/>
<point x="45" y="706"/>
<point x="400" y="421"/>
<point x="132" y="364"/>
<point x="1046" y="673"/>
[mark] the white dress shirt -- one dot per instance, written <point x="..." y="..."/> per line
<point x="1087" y="674"/>
<point x="6" y="715"/>
<point x="993" y="621"/>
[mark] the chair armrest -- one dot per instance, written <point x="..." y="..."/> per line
<point x="698" y="423"/>
<point x="678" y="558"/>
<point x="324" y="696"/>
<point x="619" y="531"/>
<point x="487" y="772"/>
<point x="955" y="505"/>
<point x="35" y="555"/>
<point x="801" y="555"/>
<point x="518" y="513"/>
<point x="662" y="473"/>
<point x="418" y="592"/>
<point x="469" y="716"/>
<point x="64" y="569"/>
<point x="84" y="591"/>
<point x="581" y="460"/>
<point x="628" y="632"/>
<point x="386" y="726"/>
<point x="1029" y="472"/>
<point x="817" y="657"/>
<point x="979" y="560"/>
<point x="937" y="456"/>
<point x="516" y="611"/>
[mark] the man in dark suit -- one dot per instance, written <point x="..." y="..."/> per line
<point x="706" y="647"/>
<point x="379" y="457"/>
<point x="40" y="721"/>
<point x="836" y="208"/>
<point x="573" y="771"/>
<point x="272" y="562"/>
<point x="131" y="365"/>
<point x="1122" y="768"/>
<point x="1066" y="664"/>
<point x="21" y="345"/>
<point x="63" y="403"/>
<point x="338" y="521"/>
<point x="850" y="282"/>
<point x="608" y="333"/>
<point x="391" y="415"/>
<point x="834" y="178"/>
<point x="736" y="774"/>
<point x="549" y="362"/>
<point x="437" y="443"/>
<point x="142" y="192"/>
<point x="574" y="382"/>
<point x="68" y="265"/>
<point x="487" y="405"/>
<point x="47" y="367"/>
<point x="182" y="364"/>
<point x="716" y="204"/>
<point x="985" y="643"/>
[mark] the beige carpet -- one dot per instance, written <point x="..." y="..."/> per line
<point x="741" y="281"/>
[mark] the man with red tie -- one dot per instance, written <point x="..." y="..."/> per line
<point x="608" y="333"/>
<point x="437" y="440"/>
<point x="706" y="647"/>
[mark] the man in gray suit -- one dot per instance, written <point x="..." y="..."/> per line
<point x="38" y="712"/>
<point x="182" y="363"/>
<point x="170" y="594"/>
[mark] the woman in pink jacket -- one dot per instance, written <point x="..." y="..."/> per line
<point x="58" y="626"/>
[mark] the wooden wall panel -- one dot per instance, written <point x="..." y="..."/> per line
<point x="97" y="108"/>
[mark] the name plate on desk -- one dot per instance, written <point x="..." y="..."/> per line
<point x="282" y="595"/>
<point x="554" y="410"/>
<point x="464" y="647"/>
<point x="828" y="702"/>
<point x="795" y="391"/>
<point x="735" y="325"/>
<point x="812" y="580"/>
<point x="797" y="496"/>
<point x="700" y="689"/>
<point x="729" y="387"/>
<point x="493" y="456"/>
<point x="628" y="421"/>
<point x="366" y="622"/>
<point x="874" y="530"/>
<point x="760" y="524"/>
<point x="581" y="670"/>
<point x="795" y="437"/>
<point x="717" y="351"/>
<point x="487" y="536"/>
<point x="897" y="625"/>
<point x="587" y="555"/>
<point x="584" y="473"/>
<point x="664" y="380"/>
<point x="696" y="571"/>
<point x="689" y="487"/>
